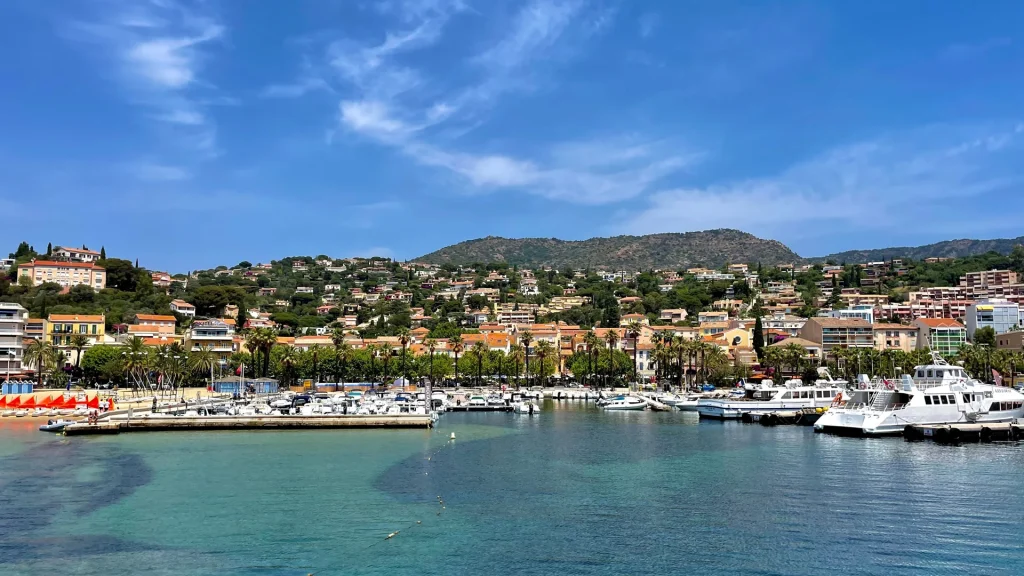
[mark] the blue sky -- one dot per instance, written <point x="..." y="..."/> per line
<point x="192" y="134"/>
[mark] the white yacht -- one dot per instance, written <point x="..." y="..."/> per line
<point x="768" y="397"/>
<point x="936" y="394"/>
<point x="688" y="403"/>
<point x="625" y="403"/>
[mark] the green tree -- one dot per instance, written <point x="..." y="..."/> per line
<point x="40" y="353"/>
<point x="758" y="340"/>
<point x="79" y="342"/>
<point x="985" y="336"/>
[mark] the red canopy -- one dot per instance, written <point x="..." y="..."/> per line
<point x="46" y="402"/>
<point x="16" y="403"/>
<point x="29" y="403"/>
<point x="69" y="404"/>
<point x="94" y="402"/>
<point x="3" y="401"/>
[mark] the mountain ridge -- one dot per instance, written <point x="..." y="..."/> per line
<point x="711" y="248"/>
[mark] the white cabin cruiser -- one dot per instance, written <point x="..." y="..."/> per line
<point x="936" y="394"/>
<point x="625" y="403"/>
<point x="768" y="397"/>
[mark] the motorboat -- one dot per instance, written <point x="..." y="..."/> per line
<point x="477" y="400"/>
<point x="936" y="394"/>
<point x="625" y="403"/>
<point x="55" y="425"/>
<point x="21" y="413"/>
<point x="527" y="407"/>
<point x="766" y="396"/>
<point x="7" y="413"/>
<point x="688" y="403"/>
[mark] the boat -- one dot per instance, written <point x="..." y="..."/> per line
<point x="625" y="403"/>
<point x="477" y="400"/>
<point x="530" y="408"/>
<point x="688" y="404"/>
<point x="7" y="413"/>
<point x="55" y="425"/>
<point x="936" y="394"/>
<point x="767" y="397"/>
<point x="21" y="413"/>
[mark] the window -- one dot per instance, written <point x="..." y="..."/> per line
<point x="944" y="399"/>
<point x="83" y="328"/>
<point x="94" y="329"/>
<point x="928" y="400"/>
<point x="929" y="374"/>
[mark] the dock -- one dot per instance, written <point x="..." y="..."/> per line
<point x="206" y="423"/>
<point x="468" y="408"/>
<point x="960" y="433"/>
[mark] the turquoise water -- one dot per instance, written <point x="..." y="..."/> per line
<point x="574" y="491"/>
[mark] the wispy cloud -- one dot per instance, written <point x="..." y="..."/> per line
<point x="159" y="172"/>
<point x="871" y="185"/>
<point x="405" y="108"/>
<point x="647" y="24"/>
<point x="156" y="50"/>
<point x="965" y="51"/>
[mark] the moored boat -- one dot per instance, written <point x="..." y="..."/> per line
<point x="625" y="403"/>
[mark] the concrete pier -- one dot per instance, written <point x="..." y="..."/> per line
<point x="159" y="423"/>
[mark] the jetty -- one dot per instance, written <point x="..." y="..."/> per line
<point x="960" y="433"/>
<point x="654" y="404"/>
<point x="802" y="417"/>
<point x="481" y="408"/>
<point x="158" y="423"/>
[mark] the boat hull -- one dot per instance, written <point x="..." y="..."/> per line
<point x="734" y="410"/>
<point x="841" y="422"/>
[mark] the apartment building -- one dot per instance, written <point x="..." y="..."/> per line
<point x="60" y="328"/>
<point x="673" y="315"/>
<point x="12" y="336"/>
<point x="973" y="280"/>
<point x="66" y="274"/>
<point x="515" y="317"/>
<point x="216" y="334"/>
<point x="895" y="337"/>
<point x="942" y="335"/>
<point x="866" y="313"/>
<point x="838" y="333"/>
<point x="998" y="314"/>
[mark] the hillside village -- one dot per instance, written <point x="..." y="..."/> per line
<point x="76" y="313"/>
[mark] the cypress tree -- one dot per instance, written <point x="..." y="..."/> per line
<point x="241" y="318"/>
<point x="758" y="337"/>
<point x="103" y="253"/>
<point x="49" y="249"/>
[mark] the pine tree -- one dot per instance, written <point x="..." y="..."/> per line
<point x="758" y="337"/>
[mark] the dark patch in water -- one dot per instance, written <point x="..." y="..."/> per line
<point x="36" y="484"/>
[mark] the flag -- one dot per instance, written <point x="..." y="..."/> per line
<point x="238" y="371"/>
<point x="997" y="377"/>
<point x="888" y="385"/>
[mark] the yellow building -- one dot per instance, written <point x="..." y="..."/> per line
<point x="61" y="327"/>
<point x="67" y="274"/>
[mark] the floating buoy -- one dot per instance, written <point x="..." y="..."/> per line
<point x="452" y="437"/>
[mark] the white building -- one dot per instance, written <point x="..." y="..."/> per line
<point x="6" y="263"/>
<point x="12" y="331"/>
<point x="865" y="312"/>
<point x="76" y="254"/>
<point x="995" y="313"/>
<point x="215" y="334"/>
<point x="183" y="308"/>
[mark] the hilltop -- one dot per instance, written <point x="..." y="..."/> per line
<point x="947" y="249"/>
<point x="712" y="248"/>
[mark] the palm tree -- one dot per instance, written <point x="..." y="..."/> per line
<point x="612" y="338"/>
<point x="341" y="352"/>
<point x="680" y="347"/>
<point x="39" y="352"/>
<point x="633" y="329"/>
<point x="592" y="343"/>
<point x="794" y="354"/>
<point x="289" y="357"/>
<point x="254" y="342"/>
<point x="79" y="342"/>
<point x="526" y="337"/>
<point x="267" y="342"/>
<point x="431" y="346"/>
<point x="403" y="339"/>
<point x="479" y="349"/>
<point x="202" y="361"/>
<point x="544" y="349"/>
<point x="456" y="344"/>
<point x="137" y="361"/>
<point x="516" y="355"/>
<point x="371" y="351"/>
<point x="386" y="355"/>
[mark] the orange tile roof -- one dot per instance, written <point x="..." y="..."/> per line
<point x="940" y="323"/>
<point x="879" y="327"/>
<point x="162" y="341"/>
<point x="63" y="264"/>
<point x="76" y="318"/>
<point x="156" y="317"/>
<point x="228" y="321"/>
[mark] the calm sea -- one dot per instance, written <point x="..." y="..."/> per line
<point x="574" y="491"/>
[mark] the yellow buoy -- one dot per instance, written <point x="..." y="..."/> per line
<point x="452" y="437"/>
